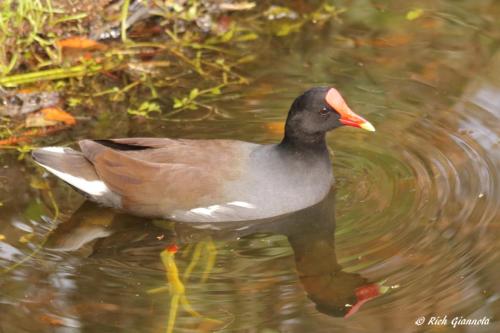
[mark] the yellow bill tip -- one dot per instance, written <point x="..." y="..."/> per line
<point x="367" y="126"/>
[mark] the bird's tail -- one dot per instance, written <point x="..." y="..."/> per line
<point x="72" y="167"/>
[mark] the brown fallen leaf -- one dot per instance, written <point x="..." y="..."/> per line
<point x="49" y="117"/>
<point x="79" y="43"/>
<point x="276" y="127"/>
<point x="57" y="114"/>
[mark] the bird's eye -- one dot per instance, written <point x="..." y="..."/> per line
<point x="324" y="111"/>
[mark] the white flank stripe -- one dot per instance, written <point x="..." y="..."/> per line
<point x="59" y="150"/>
<point x="221" y="209"/>
<point x="206" y="210"/>
<point x="241" y="204"/>
<point x="95" y="188"/>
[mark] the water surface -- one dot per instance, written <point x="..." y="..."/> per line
<point x="416" y="205"/>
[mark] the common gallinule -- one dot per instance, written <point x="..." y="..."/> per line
<point x="211" y="180"/>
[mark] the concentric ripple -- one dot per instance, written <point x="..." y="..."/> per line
<point x="417" y="203"/>
<point x="420" y="211"/>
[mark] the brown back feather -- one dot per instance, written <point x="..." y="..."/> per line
<point x="178" y="174"/>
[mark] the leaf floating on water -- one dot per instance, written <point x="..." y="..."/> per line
<point x="414" y="14"/>
<point x="276" y="127"/>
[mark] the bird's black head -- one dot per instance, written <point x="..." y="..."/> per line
<point x="317" y="111"/>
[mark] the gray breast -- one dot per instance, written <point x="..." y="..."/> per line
<point x="273" y="183"/>
<point x="281" y="182"/>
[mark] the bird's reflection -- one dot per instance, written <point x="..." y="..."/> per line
<point x="310" y="233"/>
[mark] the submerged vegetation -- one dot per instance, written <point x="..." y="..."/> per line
<point x="414" y="203"/>
<point x="162" y="59"/>
<point x="129" y="51"/>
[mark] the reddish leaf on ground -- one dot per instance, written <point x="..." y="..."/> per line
<point x="79" y="43"/>
<point x="57" y="114"/>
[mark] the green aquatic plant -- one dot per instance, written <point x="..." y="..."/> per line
<point x="52" y="74"/>
<point x="28" y="32"/>
<point x="197" y="45"/>
<point x="145" y="109"/>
